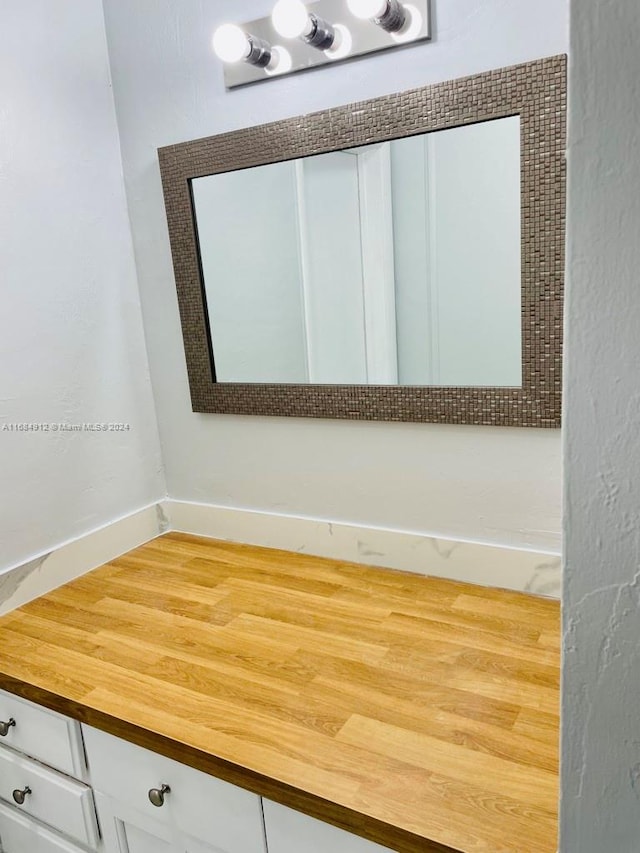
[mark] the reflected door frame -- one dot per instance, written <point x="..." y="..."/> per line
<point x="380" y="356"/>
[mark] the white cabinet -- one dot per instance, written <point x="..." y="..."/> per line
<point x="192" y="813"/>
<point x="43" y="810"/>
<point x="289" y="831"/>
<point x="197" y="813"/>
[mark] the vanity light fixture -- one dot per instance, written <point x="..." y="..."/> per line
<point x="317" y="32"/>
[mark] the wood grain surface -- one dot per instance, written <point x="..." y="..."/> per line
<point x="419" y="713"/>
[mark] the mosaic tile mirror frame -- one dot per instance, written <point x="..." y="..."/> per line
<point x="536" y="92"/>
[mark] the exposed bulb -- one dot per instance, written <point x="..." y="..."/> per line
<point x="367" y="9"/>
<point x="231" y="44"/>
<point x="290" y="19"/>
<point x="342" y="44"/>
<point x="412" y="26"/>
<point x="281" y="61"/>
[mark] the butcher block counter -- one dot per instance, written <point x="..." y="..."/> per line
<point x="418" y="713"/>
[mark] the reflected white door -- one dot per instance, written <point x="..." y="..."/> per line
<point x="347" y="272"/>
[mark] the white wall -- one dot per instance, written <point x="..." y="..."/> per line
<point x="71" y="338"/>
<point x="493" y="485"/>
<point x="248" y="232"/>
<point x="601" y="701"/>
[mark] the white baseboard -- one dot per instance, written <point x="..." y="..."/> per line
<point x="473" y="562"/>
<point x="45" y="572"/>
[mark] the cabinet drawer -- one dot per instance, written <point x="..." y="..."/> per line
<point x="289" y="831"/>
<point x="19" y="834"/>
<point x="224" y="816"/>
<point x="55" y="799"/>
<point x="46" y="735"/>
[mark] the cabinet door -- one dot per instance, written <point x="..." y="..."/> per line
<point x="21" y="834"/>
<point x="289" y="831"/>
<point x="219" y="814"/>
<point x="126" y="830"/>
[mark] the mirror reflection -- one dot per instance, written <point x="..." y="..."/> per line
<point x="397" y="263"/>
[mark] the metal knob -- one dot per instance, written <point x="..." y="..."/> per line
<point x="156" y="795"/>
<point x="19" y="796"/>
<point x="4" y="727"/>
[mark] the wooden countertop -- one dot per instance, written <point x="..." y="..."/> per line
<point x="416" y="712"/>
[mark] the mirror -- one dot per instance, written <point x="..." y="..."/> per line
<point x="396" y="263"/>
<point x="397" y="259"/>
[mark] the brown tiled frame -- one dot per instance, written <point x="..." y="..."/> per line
<point x="536" y="91"/>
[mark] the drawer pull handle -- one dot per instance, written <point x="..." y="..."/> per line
<point x="156" y="795"/>
<point x="4" y="727"/>
<point x="19" y="796"/>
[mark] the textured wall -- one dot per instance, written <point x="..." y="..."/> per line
<point x="71" y="338"/>
<point x="601" y="720"/>
<point x="494" y="485"/>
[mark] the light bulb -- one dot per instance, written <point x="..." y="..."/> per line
<point x="231" y="44"/>
<point x="391" y="15"/>
<point x="290" y="19"/>
<point x="367" y="9"/>
<point x="412" y="26"/>
<point x="342" y="44"/>
<point x="281" y="61"/>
